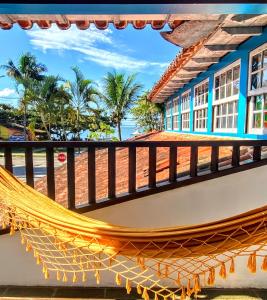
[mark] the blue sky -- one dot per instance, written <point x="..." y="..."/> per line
<point x="96" y="52"/>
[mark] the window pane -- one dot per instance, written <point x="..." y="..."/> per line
<point x="223" y="125"/>
<point x="230" y="121"/>
<point x="255" y="81"/>
<point x="258" y="103"/>
<point x="230" y="107"/>
<point x="236" y="72"/>
<point x="265" y="58"/>
<point x="265" y="120"/>
<point x="217" y="82"/>
<point x="264" y="78"/>
<point x="228" y="89"/>
<point x="217" y="94"/>
<point x="222" y="92"/>
<point x="256" y="62"/>
<point x="224" y="109"/>
<point x="223" y="78"/>
<point x="257" y="120"/>
<point x="229" y="76"/>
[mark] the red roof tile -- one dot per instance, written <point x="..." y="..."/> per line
<point x="81" y="178"/>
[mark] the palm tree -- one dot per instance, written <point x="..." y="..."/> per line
<point x="119" y="94"/>
<point x="83" y="95"/>
<point x="23" y="73"/>
<point x="49" y="99"/>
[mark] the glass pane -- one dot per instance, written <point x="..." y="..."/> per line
<point x="256" y="62"/>
<point x="235" y="87"/>
<point x="264" y="60"/>
<point x="228" y="89"/>
<point x="257" y="120"/>
<point x="223" y="125"/>
<point x="217" y="122"/>
<point x="235" y="121"/>
<point x="217" y="94"/>
<point x="255" y="81"/>
<point x="265" y="120"/>
<point x="230" y="107"/>
<point x="236" y="72"/>
<point x="229" y="76"/>
<point x="222" y="92"/>
<point x="230" y="122"/>
<point x="264" y="78"/>
<point x="223" y="78"/>
<point x="224" y="106"/>
<point x="217" y="81"/>
<point x="258" y="102"/>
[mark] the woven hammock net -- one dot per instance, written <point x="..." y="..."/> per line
<point x="165" y="263"/>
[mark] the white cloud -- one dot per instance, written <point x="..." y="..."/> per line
<point x="6" y="92"/>
<point x="95" y="45"/>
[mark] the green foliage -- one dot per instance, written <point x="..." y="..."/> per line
<point x="120" y="92"/>
<point x="147" y="115"/>
<point x="104" y="132"/>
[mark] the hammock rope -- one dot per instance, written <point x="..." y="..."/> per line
<point x="163" y="263"/>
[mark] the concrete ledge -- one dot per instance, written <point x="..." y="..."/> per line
<point x="26" y="292"/>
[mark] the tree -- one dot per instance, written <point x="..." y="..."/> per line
<point x="119" y="94"/>
<point x="147" y="115"/>
<point x="49" y="100"/>
<point x="83" y="96"/>
<point x="23" y="73"/>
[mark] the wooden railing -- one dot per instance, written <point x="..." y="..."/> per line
<point x="195" y="173"/>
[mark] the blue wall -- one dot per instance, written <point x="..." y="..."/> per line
<point x="241" y="53"/>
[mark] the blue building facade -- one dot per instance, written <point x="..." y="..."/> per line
<point x="229" y="99"/>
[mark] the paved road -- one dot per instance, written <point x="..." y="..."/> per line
<point x="39" y="163"/>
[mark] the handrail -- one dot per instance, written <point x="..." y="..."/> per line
<point x="215" y="167"/>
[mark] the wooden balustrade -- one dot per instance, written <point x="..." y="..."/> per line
<point x="194" y="174"/>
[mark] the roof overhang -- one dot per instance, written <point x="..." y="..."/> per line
<point x="227" y="35"/>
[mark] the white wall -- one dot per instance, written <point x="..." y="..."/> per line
<point x="201" y="202"/>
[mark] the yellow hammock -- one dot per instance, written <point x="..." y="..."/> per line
<point x="164" y="262"/>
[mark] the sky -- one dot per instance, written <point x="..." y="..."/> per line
<point x="96" y="52"/>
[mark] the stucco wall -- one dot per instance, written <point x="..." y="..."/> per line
<point x="201" y="202"/>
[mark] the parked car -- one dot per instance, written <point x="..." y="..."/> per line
<point x="16" y="138"/>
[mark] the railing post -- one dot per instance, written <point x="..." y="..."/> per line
<point x="193" y="160"/>
<point x="236" y="156"/>
<point x="132" y="170"/>
<point x="91" y="176"/>
<point x="214" y="158"/>
<point x="29" y="167"/>
<point x="8" y="159"/>
<point x="71" y="177"/>
<point x="172" y="163"/>
<point x="256" y="153"/>
<point x="50" y="173"/>
<point x="111" y="172"/>
<point x="152" y="166"/>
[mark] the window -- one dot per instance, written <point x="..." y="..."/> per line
<point x="201" y="106"/>
<point x="257" y="91"/>
<point x="258" y="69"/>
<point x="175" y="113"/>
<point x="168" y="115"/>
<point x="226" y="115"/>
<point x="185" y="110"/>
<point x="226" y="94"/>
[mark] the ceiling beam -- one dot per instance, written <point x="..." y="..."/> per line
<point x="208" y="59"/>
<point x="194" y="69"/>
<point x="187" y="76"/>
<point x="222" y="47"/>
<point x="243" y="30"/>
<point x="182" y="81"/>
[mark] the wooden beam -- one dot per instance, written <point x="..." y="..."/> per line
<point x="187" y="76"/>
<point x="203" y="60"/>
<point x="222" y="47"/>
<point x="181" y="81"/>
<point x="243" y="30"/>
<point x="194" y="69"/>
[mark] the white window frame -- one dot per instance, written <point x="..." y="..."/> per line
<point x="169" y="114"/>
<point x="200" y="107"/>
<point x="227" y="100"/>
<point x="261" y="90"/>
<point x="262" y="111"/>
<point x="185" y="109"/>
<point x="175" y="114"/>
